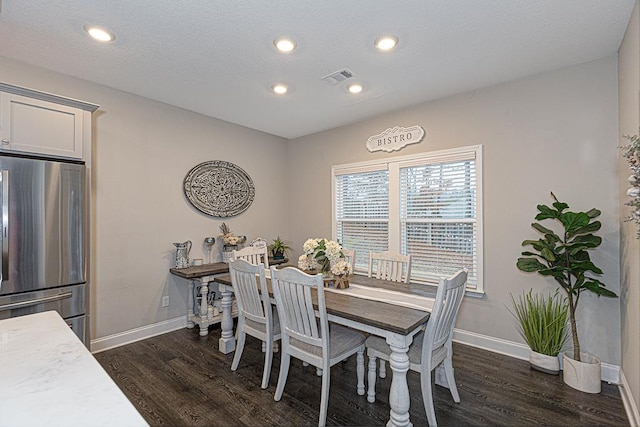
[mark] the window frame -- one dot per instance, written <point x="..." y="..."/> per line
<point x="393" y="166"/>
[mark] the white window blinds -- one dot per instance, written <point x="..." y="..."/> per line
<point x="427" y="205"/>
<point x="438" y="219"/>
<point x="362" y="213"/>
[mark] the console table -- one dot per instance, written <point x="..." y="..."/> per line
<point x="202" y="275"/>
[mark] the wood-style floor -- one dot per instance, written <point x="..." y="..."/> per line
<point x="180" y="379"/>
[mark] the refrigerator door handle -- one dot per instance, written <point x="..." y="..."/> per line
<point x="28" y="303"/>
<point x="4" y="268"/>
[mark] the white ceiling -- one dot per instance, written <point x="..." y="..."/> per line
<point x="216" y="57"/>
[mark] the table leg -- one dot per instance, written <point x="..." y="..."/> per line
<point x="227" y="342"/>
<point x="399" y="392"/>
<point x="190" y="323"/>
<point x="204" y="320"/>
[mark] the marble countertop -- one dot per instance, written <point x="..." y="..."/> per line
<point x="48" y="377"/>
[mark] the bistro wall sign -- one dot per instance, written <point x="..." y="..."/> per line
<point x="395" y="138"/>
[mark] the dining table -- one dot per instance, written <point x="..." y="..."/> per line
<point x="397" y="324"/>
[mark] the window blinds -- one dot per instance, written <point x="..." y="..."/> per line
<point x="438" y="219"/>
<point x="429" y="206"/>
<point x="362" y="213"/>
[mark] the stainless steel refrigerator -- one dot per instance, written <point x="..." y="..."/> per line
<point x="43" y="239"/>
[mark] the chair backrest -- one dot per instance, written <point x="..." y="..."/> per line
<point x="298" y="322"/>
<point x="350" y="256"/>
<point x="259" y="242"/>
<point x="439" y="330"/>
<point x="253" y="255"/>
<point x="390" y="265"/>
<point x="251" y="292"/>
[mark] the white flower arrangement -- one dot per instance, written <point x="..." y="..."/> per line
<point x="341" y="268"/>
<point x="320" y="254"/>
<point x="632" y="154"/>
<point x="228" y="238"/>
<point x="306" y="263"/>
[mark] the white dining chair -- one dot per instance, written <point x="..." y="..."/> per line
<point x="309" y="338"/>
<point x="393" y="266"/>
<point x="350" y="256"/>
<point x="255" y="312"/>
<point x="390" y="265"/>
<point x="253" y="255"/>
<point x="429" y="348"/>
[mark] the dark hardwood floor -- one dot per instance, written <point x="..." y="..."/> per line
<point x="180" y="379"/>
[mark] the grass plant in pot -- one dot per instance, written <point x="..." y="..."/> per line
<point x="542" y="322"/>
<point x="564" y="256"/>
<point x="279" y="248"/>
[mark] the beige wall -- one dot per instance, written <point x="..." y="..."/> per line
<point x="548" y="132"/>
<point x="551" y="132"/>
<point x="142" y="151"/>
<point x="629" y="112"/>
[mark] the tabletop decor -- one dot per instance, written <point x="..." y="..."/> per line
<point x="218" y="188"/>
<point x="341" y="271"/>
<point x="632" y="154"/>
<point x="279" y="248"/>
<point x="323" y="252"/>
<point x="230" y="242"/>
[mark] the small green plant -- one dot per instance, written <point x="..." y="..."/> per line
<point x="542" y="321"/>
<point x="279" y="248"/>
<point x="565" y="256"/>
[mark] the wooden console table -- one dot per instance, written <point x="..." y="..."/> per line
<point x="201" y="275"/>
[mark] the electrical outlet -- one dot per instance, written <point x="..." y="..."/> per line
<point x="165" y="301"/>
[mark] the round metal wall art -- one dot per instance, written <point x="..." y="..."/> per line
<point x="219" y="188"/>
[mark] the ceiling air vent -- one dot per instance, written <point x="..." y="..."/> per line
<point x="338" y="76"/>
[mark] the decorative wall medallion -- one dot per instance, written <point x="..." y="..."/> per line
<point x="395" y="138"/>
<point x="219" y="188"/>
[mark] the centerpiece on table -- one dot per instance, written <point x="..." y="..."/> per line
<point x="326" y="257"/>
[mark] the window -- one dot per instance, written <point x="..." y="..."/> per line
<point x="428" y="206"/>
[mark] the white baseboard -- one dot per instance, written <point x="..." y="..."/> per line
<point x="133" y="335"/>
<point x="610" y="373"/>
<point x="629" y="403"/>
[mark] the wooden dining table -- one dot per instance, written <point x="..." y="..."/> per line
<point x="397" y="324"/>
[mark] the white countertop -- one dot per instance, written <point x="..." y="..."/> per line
<point x="49" y="378"/>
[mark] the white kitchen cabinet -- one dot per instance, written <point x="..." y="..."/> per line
<point x="40" y="123"/>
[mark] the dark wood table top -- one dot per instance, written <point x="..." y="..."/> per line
<point x="390" y="317"/>
<point x="198" y="271"/>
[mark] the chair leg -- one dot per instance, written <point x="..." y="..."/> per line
<point x="239" y="347"/>
<point x="268" y="358"/>
<point x="451" y="380"/>
<point x="427" y="397"/>
<point x="324" y="398"/>
<point x="383" y="369"/>
<point x="371" y="378"/>
<point x="360" y="371"/>
<point x="282" y="377"/>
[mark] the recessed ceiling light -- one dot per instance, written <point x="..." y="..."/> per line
<point x="99" y="33"/>
<point x="355" y="88"/>
<point x="386" y="42"/>
<point x="280" y="89"/>
<point x="284" y="45"/>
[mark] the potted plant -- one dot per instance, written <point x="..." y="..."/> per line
<point x="542" y="322"/>
<point x="279" y="248"/>
<point x="565" y="258"/>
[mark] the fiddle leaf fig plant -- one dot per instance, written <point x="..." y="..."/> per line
<point x="565" y="257"/>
